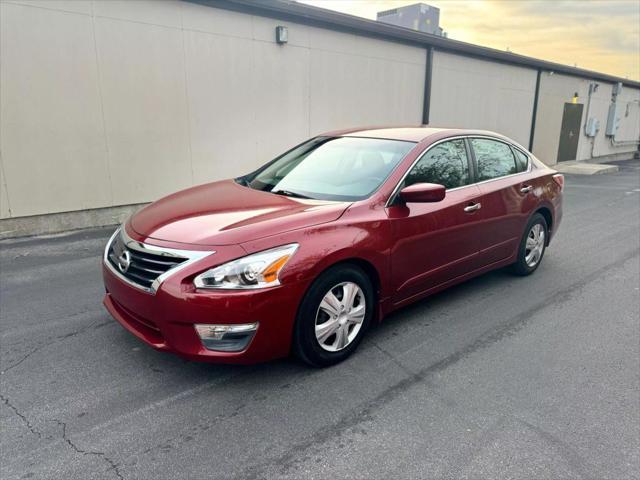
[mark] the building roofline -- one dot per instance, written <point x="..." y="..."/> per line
<point x="321" y="17"/>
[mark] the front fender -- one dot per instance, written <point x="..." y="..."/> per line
<point x="323" y="246"/>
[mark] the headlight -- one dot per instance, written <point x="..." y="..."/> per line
<point x="259" y="270"/>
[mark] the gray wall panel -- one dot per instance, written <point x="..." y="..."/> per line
<point x="108" y="103"/>
<point x="112" y="103"/>
<point x="471" y="93"/>
<point x="53" y="144"/>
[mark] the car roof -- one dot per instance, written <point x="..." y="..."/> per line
<point x="410" y="134"/>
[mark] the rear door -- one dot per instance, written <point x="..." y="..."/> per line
<point x="507" y="196"/>
<point x="435" y="242"/>
<point x="570" y="132"/>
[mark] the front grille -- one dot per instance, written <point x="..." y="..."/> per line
<point x="139" y="265"/>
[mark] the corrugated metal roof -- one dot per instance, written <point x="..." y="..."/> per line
<point x="320" y="17"/>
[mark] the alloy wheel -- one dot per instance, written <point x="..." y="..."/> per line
<point x="340" y="316"/>
<point x="535" y="245"/>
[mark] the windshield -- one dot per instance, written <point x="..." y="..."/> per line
<point x="331" y="168"/>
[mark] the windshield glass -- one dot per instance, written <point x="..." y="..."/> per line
<point x="328" y="168"/>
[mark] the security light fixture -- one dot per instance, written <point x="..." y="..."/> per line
<point x="282" y="34"/>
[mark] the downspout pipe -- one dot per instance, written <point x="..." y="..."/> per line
<point x="427" y="86"/>
<point x="534" y="112"/>
<point x="592" y="88"/>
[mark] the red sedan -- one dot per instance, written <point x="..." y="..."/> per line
<point x="305" y="253"/>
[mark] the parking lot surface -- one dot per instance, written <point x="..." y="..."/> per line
<point x="500" y="377"/>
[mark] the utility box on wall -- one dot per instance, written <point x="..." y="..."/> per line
<point x="592" y="128"/>
<point x="613" y="120"/>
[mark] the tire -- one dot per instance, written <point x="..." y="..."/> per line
<point x="320" y="346"/>
<point x="528" y="260"/>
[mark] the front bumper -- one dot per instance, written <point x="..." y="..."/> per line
<point x="165" y="321"/>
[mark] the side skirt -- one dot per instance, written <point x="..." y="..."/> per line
<point x="388" y="306"/>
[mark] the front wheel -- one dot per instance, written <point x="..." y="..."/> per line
<point x="532" y="246"/>
<point x="333" y="316"/>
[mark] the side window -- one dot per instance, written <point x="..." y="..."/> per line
<point x="522" y="161"/>
<point x="494" y="158"/>
<point x="445" y="164"/>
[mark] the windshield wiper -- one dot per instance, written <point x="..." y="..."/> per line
<point x="289" y="193"/>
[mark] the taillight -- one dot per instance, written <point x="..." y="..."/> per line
<point x="559" y="179"/>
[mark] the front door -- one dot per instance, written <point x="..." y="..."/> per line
<point x="435" y="242"/>
<point x="570" y="132"/>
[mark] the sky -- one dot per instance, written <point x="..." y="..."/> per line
<point x="600" y="35"/>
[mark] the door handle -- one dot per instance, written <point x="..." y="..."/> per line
<point x="473" y="208"/>
<point x="526" y="188"/>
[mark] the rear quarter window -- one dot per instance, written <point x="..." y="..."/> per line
<point x="494" y="158"/>
<point x="522" y="161"/>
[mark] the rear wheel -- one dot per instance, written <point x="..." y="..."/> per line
<point x="532" y="246"/>
<point x="333" y="316"/>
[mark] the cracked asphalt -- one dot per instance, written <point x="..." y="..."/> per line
<point x="501" y="377"/>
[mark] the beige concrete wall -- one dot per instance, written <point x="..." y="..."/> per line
<point x="106" y="103"/>
<point x="472" y="93"/>
<point x="556" y="90"/>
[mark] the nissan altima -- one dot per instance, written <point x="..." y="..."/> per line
<point x="304" y="254"/>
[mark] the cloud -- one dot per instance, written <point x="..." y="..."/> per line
<point x="600" y="35"/>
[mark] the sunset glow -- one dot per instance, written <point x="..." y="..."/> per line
<point x="600" y="35"/>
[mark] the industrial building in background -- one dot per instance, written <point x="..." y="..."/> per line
<point x="107" y="105"/>
<point x="420" y="16"/>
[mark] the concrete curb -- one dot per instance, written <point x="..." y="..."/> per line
<point x="583" y="168"/>
<point x="65" y="221"/>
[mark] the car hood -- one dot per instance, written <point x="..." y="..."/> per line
<point x="226" y="213"/>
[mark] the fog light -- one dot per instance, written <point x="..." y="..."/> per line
<point x="226" y="338"/>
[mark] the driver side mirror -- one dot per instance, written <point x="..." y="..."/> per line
<point x="423" y="193"/>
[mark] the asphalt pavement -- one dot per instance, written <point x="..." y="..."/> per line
<point x="500" y="377"/>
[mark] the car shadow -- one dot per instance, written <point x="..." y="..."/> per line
<point x="451" y="295"/>
<point x="279" y="370"/>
